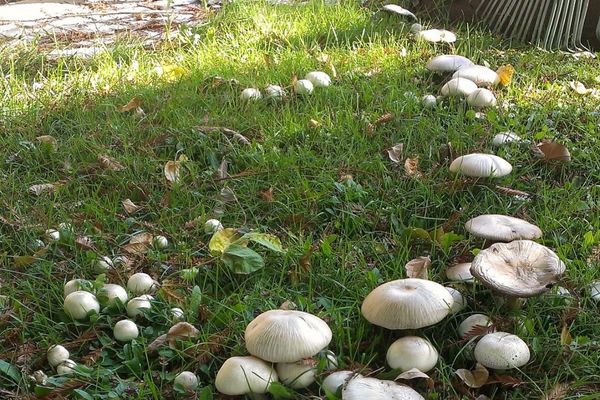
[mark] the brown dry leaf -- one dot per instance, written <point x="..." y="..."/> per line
<point x="558" y="392"/>
<point x="579" y="88"/>
<point x="241" y="138"/>
<point x="478" y="330"/>
<point x="157" y="343"/>
<point x="43" y="188"/>
<point x="332" y="69"/>
<point x="305" y="259"/>
<point x="84" y="242"/>
<point x="49" y="140"/>
<point x="23" y="261"/>
<point x="110" y="163"/>
<point x="134" y="103"/>
<point x="418" y="267"/>
<point x="411" y="168"/>
<point x="565" y="336"/>
<point x="476" y="378"/>
<point x="395" y="153"/>
<point x="135" y="248"/>
<point x="221" y="172"/>
<point x="288" y="305"/>
<point x="513" y="192"/>
<point x="387" y="117"/>
<point x="181" y="331"/>
<point x="505" y="380"/>
<point x="506" y="73"/>
<point x="552" y="151"/>
<point x="172" y="170"/>
<point x="267" y="195"/>
<point x="129" y="206"/>
<point x="143" y="238"/>
<point x="413" y="373"/>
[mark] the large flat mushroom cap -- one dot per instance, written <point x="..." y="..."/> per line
<point x="448" y="63"/>
<point x="502" y="350"/>
<point x="375" y="389"/>
<point x="458" y="88"/>
<point x="396" y="9"/>
<point x="518" y="269"/>
<point x="502" y="228"/>
<point x="286" y="335"/>
<point x="482" y="76"/>
<point x="244" y="375"/>
<point x="407" y="304"/>
<point x="481" y="165"/>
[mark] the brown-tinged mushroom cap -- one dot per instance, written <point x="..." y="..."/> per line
<point x="407" y="304"/>
<point x="518" y="269"/>
<point x="286" y="336"/>
<point x="375" y="389"/>
<point x="502" y="228"/>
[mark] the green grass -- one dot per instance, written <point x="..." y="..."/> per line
<point x="359" y="229"/>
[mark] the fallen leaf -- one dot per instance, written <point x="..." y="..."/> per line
<point x="181" y="331"/>
<point x="506" y="73"/>
<point x="395" y="153"/>
<point x="411" y="168"/>
<point x="84" y="242"/>
<point x="267" y="195"/>
<point x="476" y="378"/>
<point x="130" y="206"/>
<point x="142" y="237"/>
<point x="110" y="163"/>
<point x="135" y="248"/>
<point x="413" y="373"/>
<point x="134" y="103"/>
<point x="227" y="195"/>
<point x="418" y="267"/>
<point x="172" y="170"/>
<point x="565" y="336"/>
<point x="170" y="72"/>
<point x="387" y="117"/>
<point x="288" y="305"/>
<point x="48" y="140"/>
<point x="306" y="257"/>
<point x="513" y="192"/>
<point x="558" y="392"/>
<point x="579" y="88"/>
<point x="241" y="138"/>
<point x="552" y="151"/>
<point x="222" y="239"/>
<point x="221" y="172"/>
<point x="23" y="261"/>
<point x="505" y="380"/>
<point x="157" y="343"/>
<point x="43" y="188"/>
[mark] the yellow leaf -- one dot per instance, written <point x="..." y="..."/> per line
<point x="143" y="238"/>
<point x="133" y="104"/>
<point x="418" y="267"/>
<point x="172" y="170"/>
<point x="221" y="240"/>
<point x="506" y="73"/>
<point x="565" y="336"/>
<point x="130" y="206"/>
<point x="170" y="72"/>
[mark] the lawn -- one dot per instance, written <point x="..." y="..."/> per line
<point x="311" y="170"/>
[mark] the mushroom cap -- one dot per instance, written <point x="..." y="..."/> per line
<point x="448" y="63"/>
<point x="318" y="78"/>
<point x="110" y="292"/>
<point x="250" y="94"/>
<point x="407" y="304"/>
<point x="286" y="335"/>
<point x="396" y="9"/>
<point x="501" y="350"/>
<point x="303" y="86"/>
<point x="460" y="303"/>
<point x="595" y="291"/>
<point x="481" y="165"/>
<point x="244" y="375"/>
<point x="458" y="88"/>
<point x="125" y="330"/>
<point x="141" y="283"/>
<point x="66" y="367"/>
<point x="187" y="380"/>
<point x="79" y="303"/>
<point x="274" y="92"/>
<point x="502" y="228"/>
<point x="482" y="76"/>
<point x="297" y="375"/>
<point x="518" y="269"/>
<point x="57" y="354"/>
<point x="416" y="27"/>
<point x="375" y="389"/>
<point x="412" y="352"/>
<point x="471" y="322"/>
<point x="460" y="272"/>
<point x="337" y="379"/>
<point x="436" y="35"/>
<point x="481" y="98"/>
<point x="137" y="304"/>
<point x="505" y="137"/>
<point x="74" y="285"/>
<point x="429" y="101"/>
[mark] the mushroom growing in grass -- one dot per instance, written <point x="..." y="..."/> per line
<point x="502" y="228"/>
<point x="126" y="330"/>
<point x="595" y="291"/>
<point x="416" y="28"/>
<point x="375" y="389"/>
<point x="482" y="76"/>
<point x="333" y="382"/>
<point x="303" y="87"/>
<point x="460" y="273"/>
<point x="186" y="380"/>
<point x="137" y="305"/>
<point x="436" y="36"/>
<point x="480" y="165"/>
<point x="501" y="350"/>
<point x="460" y="303"/>
<point x="407" y="304"/>
<point x="505" y="137"/>
<point x="250" y="94"/>
<point x="318" y="78"/>
<point x="480" y="98"/>
<point x="458" y="88"/>
<point x="274" y="92"/>
<point x="141" y="283"/>
<point x="66" y="367"/>
<point x="471" y="322"/>
<point x="52" y="235"/>
<point x="160" y="242"/>
<point x="448" y="63"/>
<point x="297" y="375"/>
<point x="103" y="264"/>
<point x="76" y="284"/>
<point x="177" y="314"/>
<point x="56" y="355"/>
<point x="429" y="101"/>
<point x="212" y="225"/>
<point x="239" y="376"/>
<point x="412" y="352"/>
<point x="79" y="304"/>
<point x="110" y="292"/>
<point x="286" y="336"/>
<point x="518" y="269"/>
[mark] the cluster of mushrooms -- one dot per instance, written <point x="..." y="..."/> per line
<point x="312" y="80"/>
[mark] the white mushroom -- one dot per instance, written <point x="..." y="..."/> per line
<point x="471" y="322"/>
<point x="103" y="264"/>
<point x="76" y="284"/>
<point x="274" y="92"/>
<point x="429" y="101"/>
<point x="244" y="375"/>
<point x="479" y="165"/>
<point x="396" y="9"/>
<point x="436" y="35"/>
<point x="109" y="293"/>
<point x="481" y="98"/>
<point x="333" y="382"/>
<point x="52" y="235"/>
<point x="448" y="63"/>
<point x="458" y="88"/>
<point x="303" y="86"/>
<point x="177" y="314"/>
<point x="318" y="78"/>
<point x="460" y="303"/>
<point x="505" y="137"/>
<point x="250" y="94"/>
<point x="160" y="242"/>
<point x="137" y="305"/>
<point x="56" y="355"/>
<point x="125" y="330"/>
<point x="297" y="375"/>
<point x="416" y="28"/>
<point x="212" y="225"/>
<point x="482" y="76"/>
<point x="141" y="283"/>
<point x="286" y="336"/>
<point x="186" y="380"/>
<point x="79" y="304"/>
<point x="375" y="389"/>
<point x="518" y="269"/>
<point x="66" y="367"/>
<point x="501" y="350"/>
<point x="460" y="273"/>
<point x="502" y="228"/>
<point x="407" y="304"/>
<point x="595" y="291"/>
<point x="412" y="352"/>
